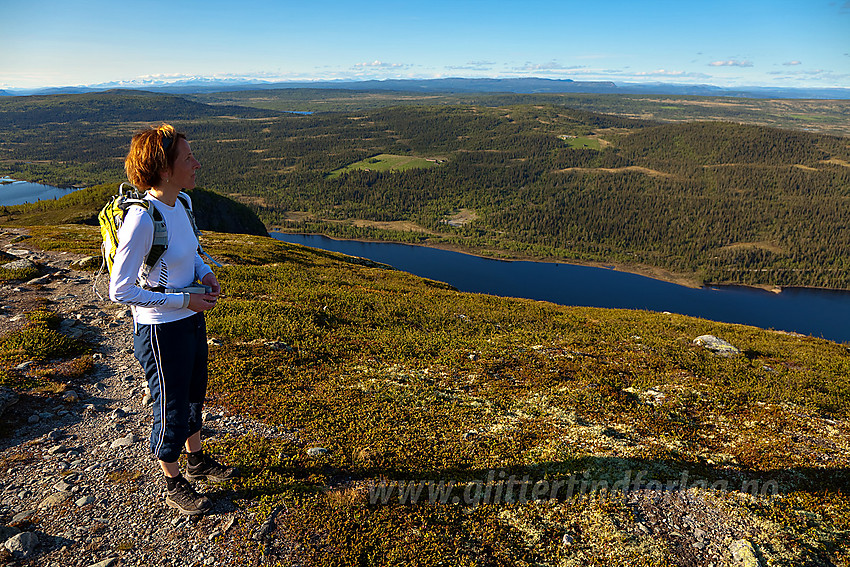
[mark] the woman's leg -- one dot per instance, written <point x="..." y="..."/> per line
<point x="169" y="354"/>
<point x="193" y="443"/>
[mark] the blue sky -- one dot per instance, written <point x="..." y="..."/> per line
<point x="799" y="43"/>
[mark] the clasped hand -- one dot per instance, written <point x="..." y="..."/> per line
<point x="204" y="302"/>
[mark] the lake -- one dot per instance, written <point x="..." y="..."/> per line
<point x="13" y="192"/>
<point x="820" y="313"/>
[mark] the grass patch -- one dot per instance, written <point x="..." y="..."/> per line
<point x="582" y="142"/>
<point x="39" y="341"/>
<point x="56" y="355"/>
<point x="27" y="273"/>
<point x="385" y="162"/>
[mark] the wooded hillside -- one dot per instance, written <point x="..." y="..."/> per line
<point x="727" y="203"/>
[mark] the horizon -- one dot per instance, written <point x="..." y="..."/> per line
<point x="761" y="43"/>
<point x="200" y="83"/>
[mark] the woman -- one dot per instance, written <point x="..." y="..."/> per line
<point x="170" y="331"/>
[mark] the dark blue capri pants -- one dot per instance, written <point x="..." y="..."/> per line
<point x="174" y="358"/>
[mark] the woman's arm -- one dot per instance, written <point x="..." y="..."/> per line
<point x="135" y="238"/>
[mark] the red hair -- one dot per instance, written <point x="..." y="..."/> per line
<point x="152" y="151"/>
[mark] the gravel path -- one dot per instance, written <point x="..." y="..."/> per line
<point x="75" y="466"/>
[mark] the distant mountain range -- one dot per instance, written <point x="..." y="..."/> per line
<point x="454" y="85"/>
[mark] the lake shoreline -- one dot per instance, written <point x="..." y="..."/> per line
<point x="652" y="272"/>
<point x="816" y="312"/>
<point x="17" y="192"/>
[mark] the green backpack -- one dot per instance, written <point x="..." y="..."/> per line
<point x="111" y="217"/>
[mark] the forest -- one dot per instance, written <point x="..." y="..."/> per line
<point x="719" y="201"/>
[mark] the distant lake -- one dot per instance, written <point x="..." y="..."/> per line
<point x="13" y="192"/>
<point x="819" y="313"/>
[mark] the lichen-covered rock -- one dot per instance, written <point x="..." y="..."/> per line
<point x="744" y="554"/>
<point x="70" y="396"/>
<point x="22" y="545"/>
<point x="87" y="263"/>
<point x="53" y="500"/>
<point x="716" y="345"/>
<point x="123" y="441"/>
<point x="22" y="264"/>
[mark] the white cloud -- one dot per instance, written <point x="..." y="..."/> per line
<point x="731" y="63"/>
<point x="550" y="66"/>
<point x="382" y="65"/>
<point x="791" y="63"/>
<point x="473" y="66"/>
<point x="676" y="74"/>
<point x="808" y="72"/>
<point x="821" y="75"/>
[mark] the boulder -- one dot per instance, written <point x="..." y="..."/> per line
<point x="123" y="441"/>
<point x="70" y="396"/>
<point x="716" y="345"/>
<point x="87" y="263"/>
<point x="22" y="545"/>
<point x="54" y="499"/>
<point x="744" y="554"/>
<point x="40" y="280"/>
<point x="22" y="264"/>
<point x="84" y="501"/>
<point x="22" y="518"/>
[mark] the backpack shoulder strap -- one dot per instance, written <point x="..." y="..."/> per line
<point x="187" y="204"/>
<point x="160" y="238"/>
<point x="185" y="199"/>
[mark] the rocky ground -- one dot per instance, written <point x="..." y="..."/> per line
<point x="78" y="486"/>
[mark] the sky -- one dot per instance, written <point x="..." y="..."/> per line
<point x="787" y="43"/>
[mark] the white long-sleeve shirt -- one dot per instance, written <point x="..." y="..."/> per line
<point x="178" y="267"/>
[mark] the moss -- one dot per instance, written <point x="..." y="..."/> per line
<point x="73" y="369"/>
<point x="28" y="273"/>
<point x="55" y="355"/>
<point x="44" y="317"/>
<point x="38" y="342"/>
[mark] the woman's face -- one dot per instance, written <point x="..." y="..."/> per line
<point x="182" y="174"/>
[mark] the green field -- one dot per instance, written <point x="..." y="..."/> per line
<point x="385" y="162"/>
<point x="582" y="142"/>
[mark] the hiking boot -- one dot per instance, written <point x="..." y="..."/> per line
<point x="210" y="470"/>
<point x="186" y="500"/>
